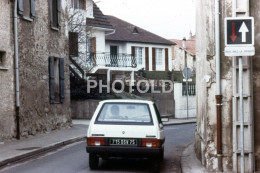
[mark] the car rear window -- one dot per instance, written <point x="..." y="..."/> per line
<point x="124" y="113"/>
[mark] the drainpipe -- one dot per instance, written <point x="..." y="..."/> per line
<point x="218" y="86"/>
<point x="17" y="89"/>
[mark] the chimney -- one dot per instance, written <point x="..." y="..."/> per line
<point x="184" y="43"/>
<point x="190" y="34"/>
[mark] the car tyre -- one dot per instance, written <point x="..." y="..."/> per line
<point x="93" y="161"/>
<point x="161" y="156"/>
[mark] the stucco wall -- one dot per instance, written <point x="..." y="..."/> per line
<point x="37" y="42"/>
<point x="7" y="93"/>
<point x="255" y="6"/>
<point x="178" y="61"/>
<point x="181" y="103"/>
<point x="206" y="89"/>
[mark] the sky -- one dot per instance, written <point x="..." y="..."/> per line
<point x="171" y="19"/>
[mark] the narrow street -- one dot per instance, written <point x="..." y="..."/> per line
<point x="74" y="159"/>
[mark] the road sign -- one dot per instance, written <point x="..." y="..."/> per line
<point x="187" y="72"/>
<point x="239" y="31"/>
<point x="239" y="36"/>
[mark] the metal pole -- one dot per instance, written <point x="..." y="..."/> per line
<point x="241" y="113"/>
<point x="187" y="97"/>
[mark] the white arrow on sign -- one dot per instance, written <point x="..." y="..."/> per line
<point x="243" y="29"/>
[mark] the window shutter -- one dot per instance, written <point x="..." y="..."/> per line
<point x="147" y="58"/>
<point x="51" y="78"/>
<point x="59" y="13"/>
<point x="62" y="78"/>
<point x="20" y="7"/>
<point x="32" y="4"/>
<point x="166" y="59"/>
<point x="133" y="51"/>
<point x="134" y="61"/>
<point x="51" y="15"/>
<point x="73" y="43"/>
<point x="153" y="59"/>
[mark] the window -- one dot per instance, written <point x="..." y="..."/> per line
<point x="124" y="113"/>
<point x="26" y="8"/>
<point x="79" y="4"/>
<point x="139" y="55"/>
<point x="158" y="55"/>
<point x="1" y="58"/>
<point x="91" y="45"/>
<point x="73" y="43"/>
<point x="56" y="70"/>
<point x="55" y="13"/>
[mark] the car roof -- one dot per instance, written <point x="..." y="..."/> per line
<point x="126" y="101"/>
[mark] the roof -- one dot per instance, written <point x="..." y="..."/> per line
<point x="127" y="32"/>
<point x="190" y="44"/>
<point x="99" y="20"/>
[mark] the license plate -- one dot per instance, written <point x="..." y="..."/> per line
<point x="123" y="142"/>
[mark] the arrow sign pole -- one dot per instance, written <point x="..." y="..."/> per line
<point x="243" y="29"/>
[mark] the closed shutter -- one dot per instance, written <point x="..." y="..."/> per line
<point x="62" y="80"/>
<point x="20" y="7"/>
<point x="133" y="51"/>
<point x="153" y="59"/>
<point x="134" y="61"/>
<point x="32" y="4"/>
<point x="59" y="13"/>
<point x="51" y="79"/>
<point x="95" y="49"/>
<point x="166" y="59"/>
<point x="51" y="11"/>
<point x="73" y="43"/>
<point x="147" y="58"/>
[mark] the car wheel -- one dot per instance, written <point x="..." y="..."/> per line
<point x="93" y="161"/>
<point x="161" y="157"/>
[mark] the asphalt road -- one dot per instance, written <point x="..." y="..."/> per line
<point x="74" y="159"/>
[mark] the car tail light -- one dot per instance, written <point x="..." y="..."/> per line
<point x="95" y="141"/>
<point x="151" y="143"/>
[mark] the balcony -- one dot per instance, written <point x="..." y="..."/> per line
<point x="111" y="60"/>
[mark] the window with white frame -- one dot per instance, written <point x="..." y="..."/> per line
<point x="139" y="55"/>
<point x="158" y="56"/>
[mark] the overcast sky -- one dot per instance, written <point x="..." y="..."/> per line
<point x="171" y="19"/>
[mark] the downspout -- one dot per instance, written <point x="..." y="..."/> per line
<point x="17" y="88"/>
<point x="218" y="87"/>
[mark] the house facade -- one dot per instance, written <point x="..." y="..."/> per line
<point x="184" y="57"/>
<point x="37" y="98"/>
<point x="151" y="51"/>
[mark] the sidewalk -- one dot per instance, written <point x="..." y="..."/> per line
<point x="189" y="161"/>
<point x="17" y="150"/>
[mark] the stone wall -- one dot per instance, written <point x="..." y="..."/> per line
<point x="83" y="109"/>
<point x="7" y="89"/>
<point x="37" y="42"/>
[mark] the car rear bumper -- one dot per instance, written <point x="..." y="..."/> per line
<point x="122" y="151"/>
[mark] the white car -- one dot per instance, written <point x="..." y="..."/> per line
<point x="125" y="128"/>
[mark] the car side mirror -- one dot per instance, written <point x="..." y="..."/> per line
<point x="165" y="119"/>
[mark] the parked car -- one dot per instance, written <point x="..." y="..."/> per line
<point x="125" y="128"/>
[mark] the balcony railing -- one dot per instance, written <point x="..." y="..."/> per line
<point x="111" y="60"/>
